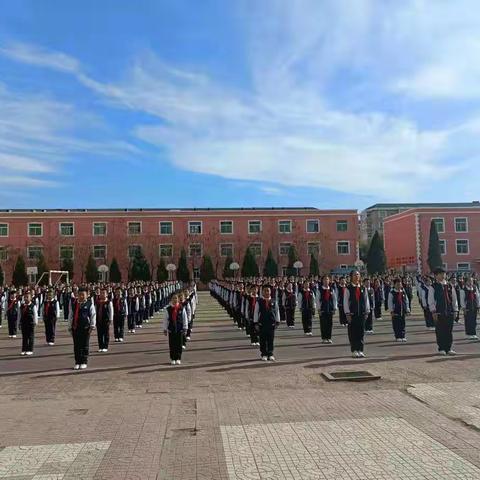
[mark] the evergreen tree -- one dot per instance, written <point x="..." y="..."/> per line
<point x="91" y="271"/>
<point x="249" y="266"/>
<point x="434" y="254"/>
<point x="227" y="272"/>
<point x="2" y="276"/>
<point x="376" y="260"/>
<point x="140" y="269"/>
<point x="207" y="272"/>
<point x="20" y="276"/>
<point x="183" y="274"/>
<point x="67" y="266"/>
<point x="162" y="273"/>
<point x="292" y="258"/>
<point x="314" y="268"/>
<point x="42" y="267"/>
<point x="271" y="267"/>
<point x="115" y="273"/>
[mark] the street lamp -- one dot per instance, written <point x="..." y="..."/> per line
<point x="235" y="267"/>
<point x="170" y="269"/>
<point x="298" y="265"/>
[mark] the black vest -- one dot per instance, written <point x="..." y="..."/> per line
<point x="357" y="307"/>
<point x="27" y="316"/>
<point x="175" y="325"/>
<point x="290" y="300"/>
<point x="50" y="309"/>
<point x="444" y="305"/>
<point x="399" y="300"/>
<point x="326" y="304"/>
<point x="84" y="320"/>
<point x="267" y="316"/>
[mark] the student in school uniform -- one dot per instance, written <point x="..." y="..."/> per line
<point x="249" y="313"/>
<point x="290" y="304"/>
<point x="357" y="308"/>
<point x="306" y="302"/>
<point x="280" y="299"/>
<point x="81" y="322"/>
<point x="175" y="324"/>
<point x="470" y="303"/>
<point x="133" y="305"/>
<point x="378" y="299"/>
<point x="424" y="288"/>
<point x="266" y="319"/>
<point x="28" y="322"/>
<point x="51" y="313"/>
<point x="120" y="313"/>
<point x="371" y="298"/>
<point x="442" y="301"/>
<point x="399" y="307"/>
<point x="12" y="313"/>
<point x="326" y="303"/>
<point x="104" y="318"/>
<point x="342" y="286"/>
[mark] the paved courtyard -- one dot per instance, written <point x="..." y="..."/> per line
<point x="223" y="414"/>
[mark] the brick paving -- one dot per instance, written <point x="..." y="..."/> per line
<point x="223" y="414"/>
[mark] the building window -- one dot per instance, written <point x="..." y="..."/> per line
<point x="462" y="247"/>
<point x="284" y="271"/>
<point x="342" y="225"/>
<point x="283" y="248"/>
<point x="66" y="252"/>
<point x="440" y="224"/>
<point x="343" y="247"/>
<point x="34" y="252"/>
<point x="3" y="229"/>
<point x="35" y="229"/>
<point x="256" y="249"/>
<point x="166" y="250"/>
<point x="254" y="226"/>
<point x="284" y="226"/>
<point x="461" y="225"/>
<point x="99" y="252"/>
<point x="134" y="228"/>
<point x="3" y="254"/>
<point x="195" y="228"/>
<point x="166" y="228"/>
<point x="344" y="266"/>
<point x="226" y="250"/>
<point x="226" y="226"/>
<point x="313" y="226"/>
<point x="443" y="247"/>
<point x="445" y="266"/>
<point x="100" y="229"/>
<point x="313" y="248"/>
<point x="196" y="274"/>
<point x="195" y="250"/>
<point x="66" y="229"/>
<point x="134" y="250"/>
<point x="463" y="266"/>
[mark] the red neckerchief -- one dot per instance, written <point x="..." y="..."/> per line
<point x="100" y="305"/>
<point x="399" y="297"/>
<point x="11" y="304"/>
<point x="357" y="293"/>
<point x="47" y="308"/>
<point x="175" y="310"/>
<point x="471" y="295"/>
<point x="326" y="294"/>
<point x="267" y="304"/>
<point x="117" y="304"/>
<point x="75" y="315"/>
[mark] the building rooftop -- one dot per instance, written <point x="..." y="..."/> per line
<point x="381" y="206"/>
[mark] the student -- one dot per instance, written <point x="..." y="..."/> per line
<point x="357" y="308"/>
<point x="81" y="322"/>
<point x="442" y="301"/>
<point x="51" y="313"/>
<point x="306" y="302"/>
<point x="378" y="299"/>
<point x="133" y="305"/>
<point x="371" y="299"/>
<point x="250" y="311"/>
<point x="120" y="313"/>
<point x="28" y="321"/>
<point x="290" y="304"/>
<point x="342" y="285"/>
<point x="327" y="302"/>
<point x="13" y="313"/>
<point x="470" y="303"/>
<point x="104" y="317"/>
<point x="424" y="288"/>
<point x="266" y="319"/>
<point x="175" y="323"/>
<point x="398" y="305"/>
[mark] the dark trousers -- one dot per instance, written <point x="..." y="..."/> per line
<point x="50" y="325"/>
<point x="443" y="331"/>
<point x="398" y="324"/>
<point x="81" y="341"/>
<point x="378" y="310"/>
<point x="175" y="341"/>
<point x="28" y="336"/>
<point x="281" y="311"/>
<point x="103" y="334"/>
<point x="118" y="326"/>
<point x="267" y="336"/>
<point x="307" y="321"/>
<point x="139" y="317"/>
<point x="12" y="324"/>
<point x="356" y="332"/>
<point x="343" y="317"/>
<point x="369" y="321"/>
<point x="429" y="323"/>
<point x="131" y="320"/>
<point x="253" y="332"/>
<point x="290" y="316"/>
<point x="238" y="319"/>
<point x="326" y="320"/>
<point x="471" y="322"/>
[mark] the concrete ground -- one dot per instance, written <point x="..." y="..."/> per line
<point x="224" y="414"/>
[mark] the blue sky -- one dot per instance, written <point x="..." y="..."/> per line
<point x="181" y="103"/>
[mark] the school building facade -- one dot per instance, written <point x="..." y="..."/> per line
<point x="332" y="235"/>
<point x="406" y="237"/>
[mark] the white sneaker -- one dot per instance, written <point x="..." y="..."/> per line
<point x="404" y="340"/>
<point x="184" y="347"/>
<point x="355" y="355"/>
<point x="451" y="352"/>
<point x="14" y="336"/>
<point x="173" y="362"/>
<point x="252" y="344"/>
<point x="361" y="354"/>
<point x="398" y="340"/>
<point x="105" y="350"/>
<point x="51" y="343"/>
<point x="133" y="331"/>
<point x="264" y="359"/>
<point x="329" y="341"/>
<point x="369" y="331"/>
<point x="76" y="367"/>
<point x="309" y="334"/>
<point x="100" y="350"/>
<point x="23" y="353"/>
<point x="83" y="366"/>
<point x="432" y="329"/>
<point x="179" y="362"/>
<point x="188" y="338"/>
<point x="29" y="353"/>
<point x="120" y="340"/>
<point x="271" y="358"/>
<point x="442" y="352"/>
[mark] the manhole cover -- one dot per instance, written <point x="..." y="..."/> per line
<point x="350" y="376"/>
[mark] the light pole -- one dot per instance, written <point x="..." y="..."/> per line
<point x="298" y="265"/>
<point x="170" y="269"/>
<point x="234" y="266"/>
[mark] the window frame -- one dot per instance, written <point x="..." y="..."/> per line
<point x="195" y="233"/>
<point x="8" y="230"/>
<point x="99" y="234"/>
<point x="455" y="224"/>
<point x="220" y="245"/>
<point x="462" y="240"/>
<point x="261" y="248"/>
<point x="290" y="223"/>
<point x="220" y="227"/>
<point x="464" y="269"/>
<point x="349" y="247"/>
<point x="313" y="243"/>
<point x="34" y="223"/>
<point x="134" y="234"/>
<point x="133" y="245"/>
<point x="443" y="222"/>
<point x="260" y="224"/>
<point x="190" y="250"/>
<point x="312" y="220"/>
<point x="337" y="222"/>
<point x="93" y="251"/>
<point x="3" y="249"/>
<point x="280" y="248"/>
<point x="34" y="246"/>
<point x="60" y="224"/>
<point x="160" y="245"/>
<point x="160" y="227"/>
<point x="60" y="252"/>
<point x="442" y="241"/>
